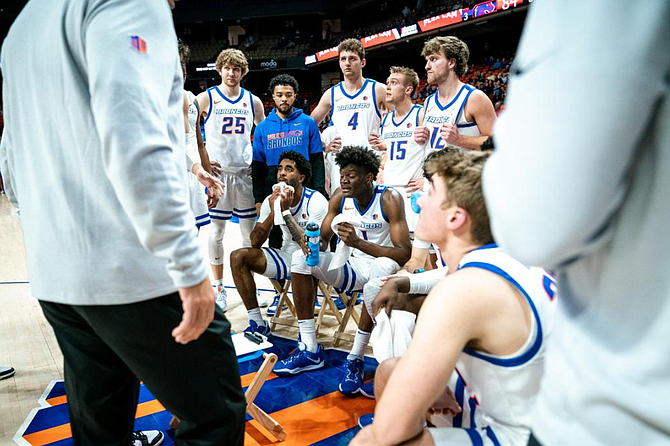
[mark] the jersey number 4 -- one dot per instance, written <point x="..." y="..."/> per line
<point x="398" y="150"/>
<point x="353" y="122"/>
<point x="228" y="128"/>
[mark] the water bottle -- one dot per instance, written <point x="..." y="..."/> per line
<point x="413" y="199"/>
<point x="313" y="233"/>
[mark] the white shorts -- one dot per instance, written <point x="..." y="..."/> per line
<point x="237" y="199"/>
<point x="351" y="277"/>
<point x="278" y="263"/>
<point x="198" y="199"/>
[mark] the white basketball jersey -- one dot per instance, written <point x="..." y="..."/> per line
<point x="438" y="114"/>
<point x="498" y="393"/>
<point x="405" y="157"/>
<point x="228" y="127"/>
<point x="191" y="141"/>
<point x="355" y="117"/>
<point x="312" y="207"/>
<point x="374" y="224"/>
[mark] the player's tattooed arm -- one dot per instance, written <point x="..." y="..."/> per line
<point x="297" y="234"/>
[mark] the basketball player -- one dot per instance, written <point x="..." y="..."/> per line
<point x="488" y="319"/>
<point x="403" y="156"/>
<point x="230" y="113"/>
<point x="403" y="159"/>
<point x="457" y="114"/>
<point x="298" y="208"/>
<point x="354" y="107"/>
<point x="378" y="214"/>
<point x="196" y="155"/>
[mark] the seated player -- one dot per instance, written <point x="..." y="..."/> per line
<point x="376" y="213"/>
<point x="488" y="319"/>
<point x="298" y="208"/>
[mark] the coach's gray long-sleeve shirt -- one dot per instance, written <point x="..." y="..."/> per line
<point x="580" y="183"/>
<point x="92" y="151"/>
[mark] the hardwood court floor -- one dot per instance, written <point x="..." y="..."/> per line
<point x="28" y="343"/>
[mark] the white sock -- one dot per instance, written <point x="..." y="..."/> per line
<point x="308" y="334"/>
<point x="255" y="315"/>
<point x="361" y="341"/>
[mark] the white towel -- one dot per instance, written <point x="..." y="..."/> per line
<point x="391" y="337"/>
<point x="343" y="251"/>
<point x="284" y="188"/>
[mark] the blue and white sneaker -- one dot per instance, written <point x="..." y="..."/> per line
<point x="258" y="329"/>
<point x="365" y="420"/>
<point x="352" y="380"/>
<point x="272" y="308"/>
<point x="368" y="390"/>
<point x="301" y="361"/>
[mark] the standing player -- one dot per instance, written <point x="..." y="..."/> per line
<point x="457" y="114"/>
<point x="230" y="113"/>
<point x="403" y="157"/>
<point x="377" y="214"/>
<point x="354" y="106"/>
<point x="299" y="207"/>
<point x="488" y="319"/>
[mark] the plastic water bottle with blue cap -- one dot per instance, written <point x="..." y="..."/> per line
<point x="413" y="199"/>
<point x="313" y="234"/>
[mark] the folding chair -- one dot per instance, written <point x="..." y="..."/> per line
<point x="283" y="300"/>
<point x="328" y="306"/>
<point x="265" y="420"/>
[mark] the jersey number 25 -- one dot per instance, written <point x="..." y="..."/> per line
<point x="229" y="129"/>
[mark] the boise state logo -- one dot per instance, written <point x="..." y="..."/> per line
<point x="365" y="98"/>
<point x="304" y="216"/>
<point x="244" y="104"/>
<point x="375" y="216"/>
<point x="409" y="124"/>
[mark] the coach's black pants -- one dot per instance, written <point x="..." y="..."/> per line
<point x="107" y="349"/>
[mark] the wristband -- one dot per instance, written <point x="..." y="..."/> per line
<point x="286" y="212"/>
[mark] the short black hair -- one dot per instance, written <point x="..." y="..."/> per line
<point x="284" y="79"/>
<point x="358" y="156"/>
<point x="301" y="163"/>
<point x="184" y="50"/>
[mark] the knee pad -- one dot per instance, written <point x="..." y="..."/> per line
<point x="215" y="242"/>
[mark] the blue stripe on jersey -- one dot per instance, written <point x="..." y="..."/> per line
<point x="417" y="115"/>
<point x="297" y="208"/>
<point x="472" y="402"/>
<point x="469" y="124"/>
<point x="487" y="246"/>
<point x="537" y="343"/>
<point x="355" y="94"/>
<point x="460" y="395"/>
<point x="284" y="269"/>
<point x="211" y="102"/>
<point x="381" y="206"/>
<point x="353" y="280"/>
<point x="346" y="276"/>
<point x="274" y="259"/>
<point x="242" y="90"/>
<point x="475" y="437"/>
<point x="403" y="119"/>
<point x="492" y="436"/>
<point x="465" y="101"/>
<point x="374" y="98"/>
<point x="372" y="200"/>
<point x="253" y="109"/>
<point x="332" y="105"/>
<point x="437" y="100"/>
<point x="386" y="116"/>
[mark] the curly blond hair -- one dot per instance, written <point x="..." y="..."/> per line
<point x="233" y="57"/>
<point x="450" y="47"/>
<point x="462" y="174"/>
